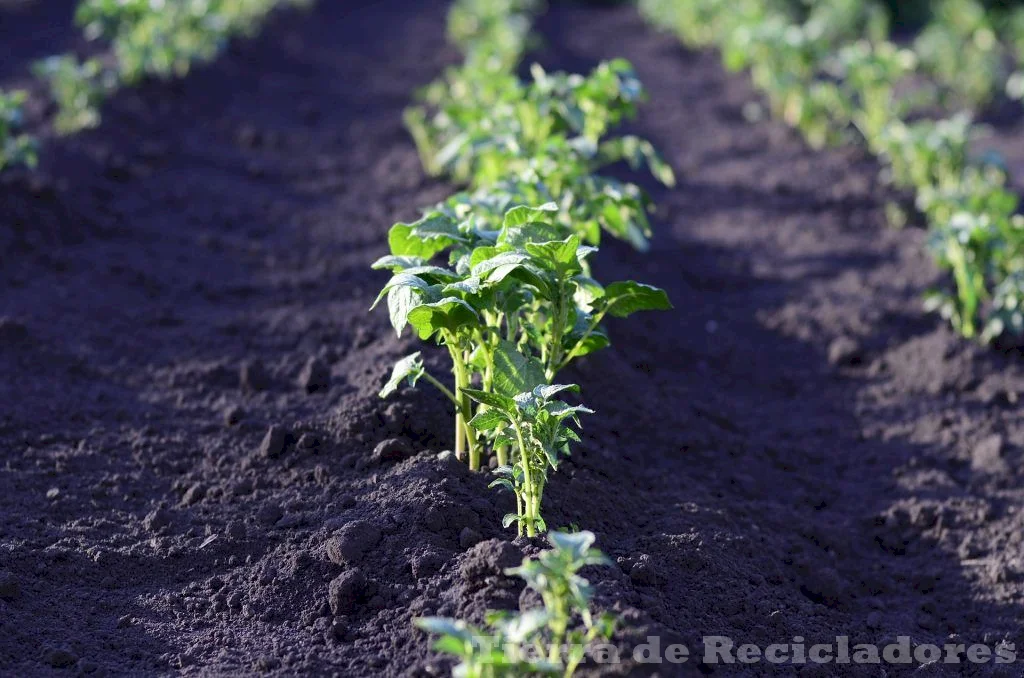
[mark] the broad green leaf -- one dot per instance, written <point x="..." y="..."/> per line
<point x="559" y="254"/>
<point x="548" y="391"/>
<point x="401" y="280"/>
<point x="515" y="373"/>
<point x="622" y="299"/>
<point x="409" y="367"/>
<point x="443" y="626"/>
<point x="397" y="264"/>
<point x="470" y="285"/>
<point x="499" y="402"/>
<point x="453" y="645"/>
<point x="517" y="216"/>
<point x="423" y="238"/>
<point x="532" y="231"/>
<point x="489" y="419"/>
<point x="575" y="543"/>
<point x="401" y="300"/>
<point x="449" y="314"/>
<point x="433" y="274"/>
<point x="497" y="268"/>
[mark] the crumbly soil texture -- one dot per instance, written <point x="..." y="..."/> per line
<point x="197" y="475"/>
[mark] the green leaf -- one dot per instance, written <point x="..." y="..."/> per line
<point x="489" y="419"/>
<point x="548" y="391"/>
<point x="515" y="373"/>
<point x="397" y="264"/>
<point x="453" y="645"/>
<point x="496" y="400"/>
<point x="401" y="280"/>
<point x="622" y="299"/>
<point x="443" y="626"/>
<point x="424" y="238"/>
<point x="532" y="231"/>
<point x="467" y="286"/>
<point x="575" y="543"/>
<point x="558" y="254"/>
<point x="497" y="268"/>
<point x="449" y="314"/>
<point x="409" y="367"/>
<point x="401" y="300"/>
<point x="517" y="216"/>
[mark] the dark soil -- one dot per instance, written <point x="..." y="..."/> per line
<point x="197" y="475"/>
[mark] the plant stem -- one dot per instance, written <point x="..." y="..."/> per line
<point x="464" y="412"/>
<point x="441" y="387"/>
<point x="576" y="347"/>
<point x="557" y="331"/>
<point x="529" y="508"/>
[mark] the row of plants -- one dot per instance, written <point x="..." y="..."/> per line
<point x="829" y="69"/>
<point x="142" y="39"/>
<point x="500" y="275"/>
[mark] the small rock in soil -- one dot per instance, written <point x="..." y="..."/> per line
<point x="352" y="542"/>
<point x="427" y="564"/>
<point x="9" y="589"/>
<point x="643" y="571"/>
<point x="433" y="519"/>
<point x="253" y="376"/>
<point x="315" y="376"/>
<point x="236" y="530"/>
<point x="194" y="494"/>
<point x="59" y="658"/>
<point x="12" y="331"/>
<point x="268" y="514"/>
<point x="844" y="351"/>
<point x="489" y="558"/>
<point x="469" y="537"/>
<point x="823" y="585"/>
<point x="987" y="456"/>
<point x="346" y="591"/>
<point x="308" y="441"/>
<point x="157" y="520"/>
<point x="274" y="442"/>
<point x="392" y="450"/>
<point x="233" y="415"/>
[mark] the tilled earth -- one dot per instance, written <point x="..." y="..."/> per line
<point x="197" y="475"/>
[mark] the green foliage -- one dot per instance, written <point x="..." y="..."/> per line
<point x="827" y="69"/>
<point x="16" y="148"/>
<point x="550" y="640"/>
<point x="536" y="426"/>
<point x="79" y="88"/>
<point x="960" y="50"/>
<point x="529" y="143"/>
<point x="513" y="307"/>
<point x="148" y="39"/>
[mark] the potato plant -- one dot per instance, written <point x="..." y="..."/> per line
<point x="148" y="39"/>
<point x="16" y="147"/>
<point x="512" y="307"/>
<point x="550" y="640"/>
<point x="539" y="142"/>
<point x="827" y="68"/>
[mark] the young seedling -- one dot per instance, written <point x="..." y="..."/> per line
<point x="536" y="426"/>
<point x="539" y="142"/>
<point x="551" y="640"/>
<point x="148" y="39"/>
<point x="513" y="308"/>
<point x="78" y="87"/>
<point x="16" y="148"/>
